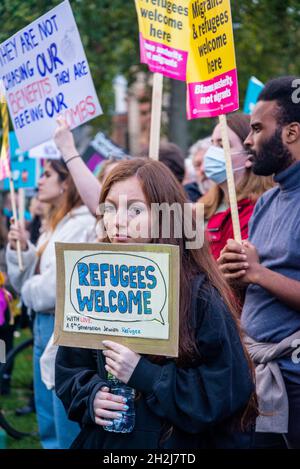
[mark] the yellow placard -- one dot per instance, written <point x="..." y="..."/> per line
<point x="164" y="39"/>
<point x="4" y="153"/>
<point x="212" y="85"/>
<point x="164" y="21"/>
<point x="211" y="40"/>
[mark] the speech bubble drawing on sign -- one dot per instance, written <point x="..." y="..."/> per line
<point x="126" y="291"/>
<point x="133" y="290"/>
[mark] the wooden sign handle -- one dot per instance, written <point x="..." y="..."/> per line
<point x="230" y="181"/>
<point x="15" y="215"/>
<point x="156" y="115"/>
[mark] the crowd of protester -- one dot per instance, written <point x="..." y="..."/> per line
<point x="235" y="382"/>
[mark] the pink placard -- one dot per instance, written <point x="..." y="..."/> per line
<point x="213" y="97"/>
<point x="166" y="60"/>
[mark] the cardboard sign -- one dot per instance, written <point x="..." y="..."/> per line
<point x="164" y="41"/>
<point x="45" y="73"/>
<point x="129" y="293"/>
<point x="254" y="88"/>
<point x="25" y="172"/>
<point x="212" y="86"/>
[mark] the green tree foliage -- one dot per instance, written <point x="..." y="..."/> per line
<point x="267" y="38"/>
<point x="267" y="44"/>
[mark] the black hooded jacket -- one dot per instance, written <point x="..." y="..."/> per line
<point x="191" y="407"/>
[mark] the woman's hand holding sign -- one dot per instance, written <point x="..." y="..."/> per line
<point x="64" y="139"/>
<point x="86" y="183"/>
<point x="120" y="360"/>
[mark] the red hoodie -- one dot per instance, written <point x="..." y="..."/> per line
<point x="219" y="228"/>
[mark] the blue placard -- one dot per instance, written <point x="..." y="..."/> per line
<point x="24" y="170"/>
<point x="254" y="88"/>
<point x="15" y="151"/>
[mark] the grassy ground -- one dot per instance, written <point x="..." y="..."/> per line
<point x="20" y="393"/>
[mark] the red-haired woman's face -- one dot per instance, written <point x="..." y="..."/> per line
<point x="126" y="214"/>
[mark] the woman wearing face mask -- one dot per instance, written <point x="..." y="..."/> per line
<point x="67" y="221"/>
<point x="249" y="187"/>
<point x="196" y="401"/>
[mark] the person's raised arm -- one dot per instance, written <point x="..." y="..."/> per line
<point x="87" y="184"/>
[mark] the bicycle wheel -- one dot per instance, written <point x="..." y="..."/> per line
<point x="20" y="369"/>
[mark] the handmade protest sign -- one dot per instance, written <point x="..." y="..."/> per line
<point x="45" y="73"/>
<point x="164" y="41"/>
<point x="212" y="86"/>
<point x="129" y="292"/>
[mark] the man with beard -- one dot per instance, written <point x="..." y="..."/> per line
<point x="268" y="265"/>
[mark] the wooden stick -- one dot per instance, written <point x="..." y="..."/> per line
<point x="230" y="181"/>
<point x="156" y="115"/>
<point x="21" y="199"/>
<point x="15" y="215"/>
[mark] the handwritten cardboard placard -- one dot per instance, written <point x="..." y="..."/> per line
<point x="45" y="73"/>
<point x="129" y="293"/>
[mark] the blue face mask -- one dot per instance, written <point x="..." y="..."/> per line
<point x="215" y="165"/>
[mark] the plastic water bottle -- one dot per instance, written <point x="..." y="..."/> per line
<point x="125" y="423"/>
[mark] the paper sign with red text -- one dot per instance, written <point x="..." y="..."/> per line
<point x="45" y="73"/>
